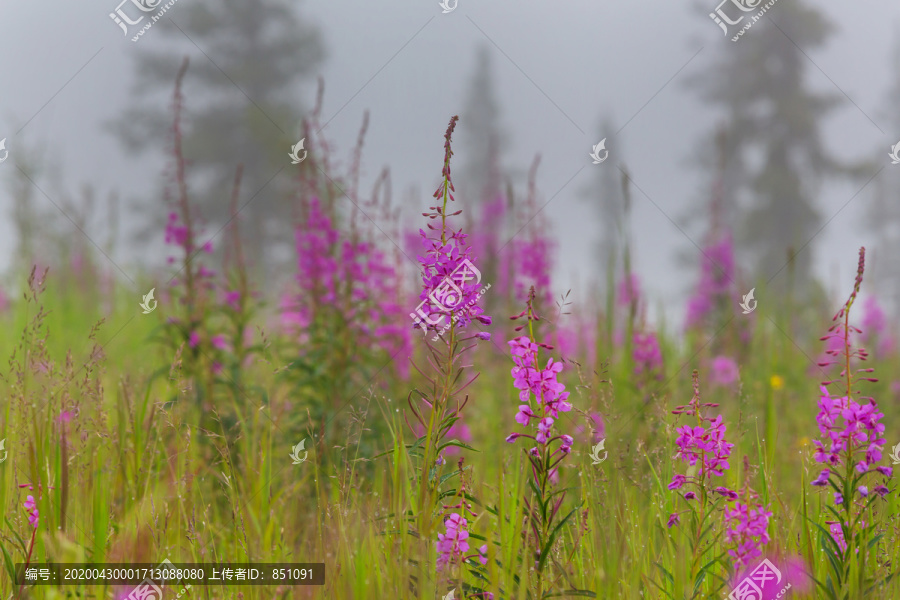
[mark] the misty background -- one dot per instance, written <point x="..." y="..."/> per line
<point x="808" y="98"/>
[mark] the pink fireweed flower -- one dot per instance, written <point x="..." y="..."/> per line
<point x="822" y="479"/>
<point x="726" y="493"/>
<point x="525" y="415"/>
<point x="834" y="527"/>
<point x="852" y="434"/>
<point x="747" y="529"/>
<point x="724" y="371"/>
<point x="445" y="267"/>
<point x="218" y="341"/>
<point x="598" y="428"/>
<point x="31" y="508"/>
<point x="345" y="279"/>
<point x="647" y="355"/>
<point x="797" y="573"/>
<point x="677" y="481"/>
<point x="701" y="445"/>
<point x="452" y="544"/>
<point x="543" y="398"/>
<point x="451" y="283"/>
<point x="233" y="299"/>
<point x="716" y="279"/>
<point x="194" y="339"/>
<point x="875" y="326"/>
<point x="844" y="422"/>
<point x="629" y="290"/>
<point x="176" y="234"/>
<point x="535" y="262"/>
<point x="540" y="383"/>
<point x="544" y="428"/>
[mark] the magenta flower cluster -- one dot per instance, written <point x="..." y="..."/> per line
<point x="177" y="235"/>
<point x="181" y="236"/>
<point x="31" y="509"/>
<point x="350" y="276"/>
<point x="708" y="446"/>
<point x="549" y="393"/>
<point x="647" y="355"/>
<point x="453" y="544"/>
<point x="534" y="257"/>
<point x="704" y="445"/>
<point x="30" y="505"/>
<point x="747" y="529"/>
<point x="850" y="430"/>
<point x="716" y="276"/>
<point x="440" y="261"/>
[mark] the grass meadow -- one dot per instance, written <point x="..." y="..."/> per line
<point x="169" y="435"/>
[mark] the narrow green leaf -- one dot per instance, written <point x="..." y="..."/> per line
<point x="545" y="550"/>
<point x="457" y="444"/>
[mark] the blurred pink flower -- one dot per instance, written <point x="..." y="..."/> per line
<point x="218" y="341"/>
<point x="629" y="290"/>
<point x="724" y="371"/>
<point x="460" y="431"/>
<point x="194" y="339"/>
<point x="599" y="431"/>
<point x="797" y="573"/>
<point x="233" y="299"/>
<point x="838" y="534"/>
<point x="875" y="327"/>
<point x="716" y="277"/>
<point x="647" y="355"/>
<point x="598" y="428"/>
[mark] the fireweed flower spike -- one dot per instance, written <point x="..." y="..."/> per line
<point x="444" y="255"/>
<point x="706" y="445"/>
<point x="714" y="288"/>
<point x="701" y="445"/>
<point x="436" y="409"/>
<point x="543" y="398"/>
<point x="852" y="436"/>
<point x="747" y="530"/>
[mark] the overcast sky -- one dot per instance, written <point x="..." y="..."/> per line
<point x="65" y="68"/>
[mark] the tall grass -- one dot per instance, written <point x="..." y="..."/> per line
<point x="137" y="451"/>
